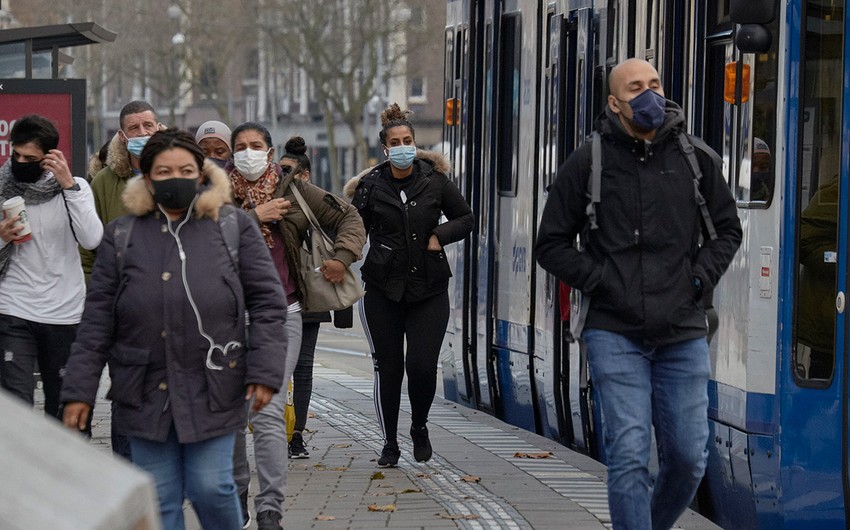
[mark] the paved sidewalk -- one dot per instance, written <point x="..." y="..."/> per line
<point x="480" y="477"/>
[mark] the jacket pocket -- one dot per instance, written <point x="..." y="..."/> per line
<point x="437" y="266"/>
<point x="225" y="387"/>
<point x="378" y="263"/>
<point x="127" y="368"/>
<point x="235" y="299"/>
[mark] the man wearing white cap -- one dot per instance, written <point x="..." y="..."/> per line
<point x="214" y="139"/>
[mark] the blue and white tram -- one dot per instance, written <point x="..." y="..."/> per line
<point x="523" y="81"/>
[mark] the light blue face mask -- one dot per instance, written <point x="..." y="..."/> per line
<point x="401" y="156"/>
<point x="135" y="145"/>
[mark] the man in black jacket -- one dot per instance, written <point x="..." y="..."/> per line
<point x="645" y="269"/>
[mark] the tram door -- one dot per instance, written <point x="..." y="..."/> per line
<point x="815" y="403"/>
<point x="459" y="116"/>
<point x="550" y="370"/>
<point x="563" y="106"/>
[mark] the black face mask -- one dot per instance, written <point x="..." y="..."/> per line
<point x="28" y="172"/>
<point x="174" y="193"/>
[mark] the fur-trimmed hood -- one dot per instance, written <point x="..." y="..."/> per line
<point x="138" y="199"/>
<point x="118" y="158"/>
<point x="95" y="165"/>
<point x="440" y="163"/>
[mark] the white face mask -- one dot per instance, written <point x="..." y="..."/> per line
<point x="251" y="163"/>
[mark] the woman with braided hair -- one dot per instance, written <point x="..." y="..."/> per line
<point x="406" y="274"/>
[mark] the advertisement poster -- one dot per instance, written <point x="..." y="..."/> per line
<point x="61" y="101"/>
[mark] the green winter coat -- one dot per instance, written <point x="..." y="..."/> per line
<point x="107" y="187"/>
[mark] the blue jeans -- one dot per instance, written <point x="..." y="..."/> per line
<point x="640" y="387"/>
<point x="202" y="470"/>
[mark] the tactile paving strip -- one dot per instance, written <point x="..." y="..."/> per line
<point x="585" y="489"/>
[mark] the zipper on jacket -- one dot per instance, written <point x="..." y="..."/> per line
<point x="167" y="402"/>
<point x="637" y="236"/>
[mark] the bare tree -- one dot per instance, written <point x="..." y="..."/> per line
<point x="349" y="49"/>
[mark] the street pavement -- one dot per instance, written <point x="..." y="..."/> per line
<point x="484" y="473"/>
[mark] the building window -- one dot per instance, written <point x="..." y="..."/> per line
<point x="417" y="17"/>
<point x="418" y="90"/>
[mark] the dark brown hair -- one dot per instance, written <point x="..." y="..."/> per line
<point x="393" y="116"/>
<point x="296" y="149"/>
<point x="36" y="129"/>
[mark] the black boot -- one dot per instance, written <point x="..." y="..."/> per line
<point x="421" y="444"/>
<point x="390" y="455"/>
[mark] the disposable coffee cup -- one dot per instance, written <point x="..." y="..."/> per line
<point x="15" y="206"/>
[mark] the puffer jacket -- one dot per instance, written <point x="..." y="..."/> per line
<point x="398" y="263"/>
<point x="639" y="265"/>
<point x="142" y="323"/>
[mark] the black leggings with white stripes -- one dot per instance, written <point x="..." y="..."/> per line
<point x="387" y="324"/>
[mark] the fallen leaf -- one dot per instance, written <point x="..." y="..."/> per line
<point x="321" y="467"/>
<point x="377" y="475"/>
<point x="410" y="490"/>
<point x="470" y="478"/>
<point x="311" y="415"/>
<point x="342" y="446"/>
<point x="384" y="508"/>
<point x="460" y="516"/>
<point x="544" y="454"/>
<point x="423" y="475"/>
<point x="325" y="518"/>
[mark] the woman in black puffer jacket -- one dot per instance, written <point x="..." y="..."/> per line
<point x="407" y="274"/>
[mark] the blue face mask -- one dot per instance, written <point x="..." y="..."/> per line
<point x="135" y="145"/>
<point x="648" y="110"/>
<point x="401" y="156"/>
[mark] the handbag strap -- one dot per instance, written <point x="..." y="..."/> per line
<point x="314" y="223"/>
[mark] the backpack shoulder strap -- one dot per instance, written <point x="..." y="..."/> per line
<point x="229" y="226"/>
<point x="70" y="219"/>
<point x="594" y="183"/>
<point x="121" y="229"/>
<point x="687" y="148"/>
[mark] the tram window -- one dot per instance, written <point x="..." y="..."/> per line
<point x="719" y="18"/>
<point x="507" y="119"/>
<point x="755" y="187"/>
<point x="716" y="118"/>
<point x="817" y="201"/>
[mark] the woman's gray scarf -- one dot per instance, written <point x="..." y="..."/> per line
<point x="36" y="192"/>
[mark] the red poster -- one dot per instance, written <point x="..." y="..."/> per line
<point x="55" y="107"/>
